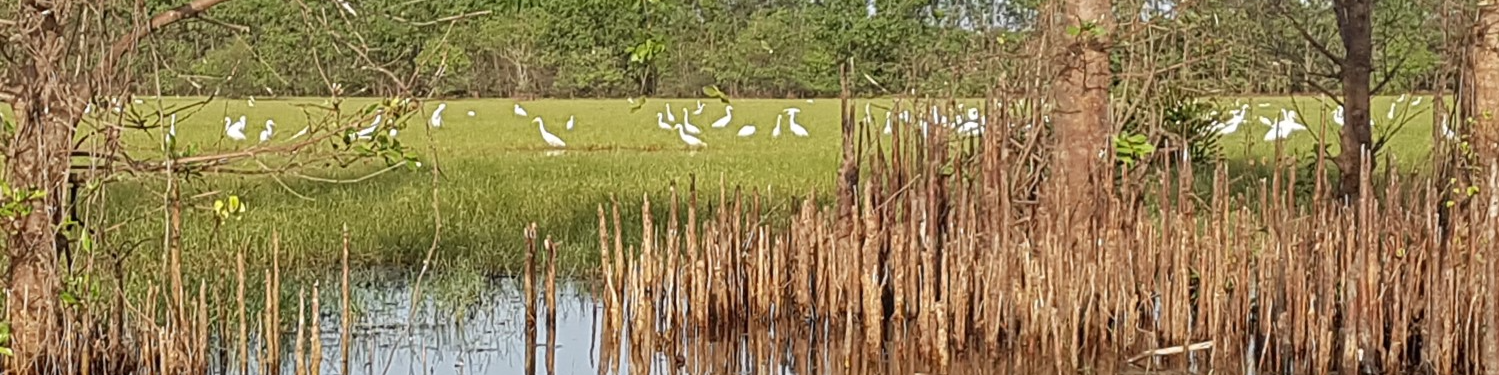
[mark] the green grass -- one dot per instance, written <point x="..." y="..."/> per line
<point x="497" y="177"/>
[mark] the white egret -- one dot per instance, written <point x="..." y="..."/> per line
<point x="1232" y="125"/>
<point x="171" y="129"/>
<point x="548" y="137"/>
<point x="699" y="110"/>
<point x="728" y="115"/>
<point x="973" y="114"/>
<point x="796" y="129"/>
<point x="436" y="120"/>
<point x="868" y="117"/>
<point x="1446" y="131"/>
<point x="747" y="130"/>
<point x="1391" y="113"/>
<point x="670" y="115"/>
<point x="1416" y="101"/>
<point x="520" y="111"/>
<point x="138" y="101"/>
<point x="471" y="113"/>
<point x="777" y="132"/>
<point x="1401" y="98"/>
<point x="300" y="133"/>
<point x="687" y="124"/>
<point x="392" y="132"/>
<point x="251" y="101"/>
<point x="689" y="139"/>
<point x="235" y="130"/>
<point x="662" y="123"/>
<point x="1337" y="116"/>
<point x="367" y="132"/>
<point x="265" y="135"/>
<point x="569" y="122"/>
<point x="1284" y="127"/>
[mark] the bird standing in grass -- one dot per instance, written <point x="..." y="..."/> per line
<point x="776" y="133"/>
<point x="569" y="122"/>
<point x="747" y="130"/>
<point x="662" y="123"/>
<point x="436" y="120"/>
<point x="270" y="128"/>
<point x="699" y="110"/>
<point x="796" y="128"/>
<point x="548" y="137"/>
<point x="520" y="111"/>
<point x="687" y="124"/>
<point x="689" y="139"/>
<point x="728" y="115"/>
<point x="235" y="130"/>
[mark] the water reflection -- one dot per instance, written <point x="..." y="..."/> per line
<point x="487" y="337"/>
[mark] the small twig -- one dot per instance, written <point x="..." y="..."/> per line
<point x="1172" y="350"/>
<point x="451" y="18"/>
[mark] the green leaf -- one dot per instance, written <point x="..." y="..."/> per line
<point x="712" y="91"/>
<point x="1073" y="31"/>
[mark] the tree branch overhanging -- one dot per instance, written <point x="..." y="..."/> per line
<point x="163" y="19"/>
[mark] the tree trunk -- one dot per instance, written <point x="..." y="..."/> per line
<point x="1484" y="53"/>
<point x="38" y="160"/>
<point x="1356" y="27"/>
<point x="1082" y="114"/>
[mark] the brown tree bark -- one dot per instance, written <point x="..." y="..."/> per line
<point x="1484" y="53"/>
<point x="1356" y="28"/>
<point x="48" y="101"/>
<point x="1082" y="96"/>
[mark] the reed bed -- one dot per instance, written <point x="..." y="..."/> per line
<point x="946" y="248"/>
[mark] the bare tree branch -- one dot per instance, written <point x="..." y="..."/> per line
<point x="1307" y="35"/>
<point x="129" y="41"/>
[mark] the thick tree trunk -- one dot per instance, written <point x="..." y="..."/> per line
<point x="1356" y="27"/>
<point x="1485" y="70"/>
<point x="38" y="160"/>
<point x="1082" y="97"/>
<point x="1484" y="53"/>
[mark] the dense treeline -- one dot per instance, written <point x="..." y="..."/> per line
<point x="761" y="48"/>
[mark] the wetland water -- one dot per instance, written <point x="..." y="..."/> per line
<point x="487" y="336"/>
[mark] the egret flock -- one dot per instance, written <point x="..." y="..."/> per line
<point x="963" y="122"/>
<point x="1286" y="124"/>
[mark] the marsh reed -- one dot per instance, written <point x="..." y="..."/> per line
<point x="942" y="247"/>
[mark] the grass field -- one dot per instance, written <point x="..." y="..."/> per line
<point x="498" y="175"/>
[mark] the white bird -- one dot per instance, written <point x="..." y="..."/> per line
<point x="1416" y="101"/>
<point x="470" y="113"/>
<point x="868" y="117"/>
<point x="1391" y="113"/>
<point x="551" y="139"/>
<point x="300" y="133"/>
<point x="796" y="129"/>
<point x="392" y="132"/>
<point x="436" y="120"/>
<point x="1401" y="98"/>
<point x="1337" y="116"/>
<point x="1284" y="127"/>
<point x="777" y="132"/>
<point x="520" y="111"/>
<point x="235" y="130"/>
<point x="251" y="101"/>
<point x="1446" y="131"/>
<point x="699" y="110"/>
<point x="973" y="114"/>
<point x="670" y="116"/>
<point x="265" y="135"/>
<point x="689" y="139"/>
<point x="569" y="122"/>
<point x="688" y="124"/>
<point x="728" y="114"/>
<point x="171" y="129"/>
<point x="1232" y="125"/>
<point x="661" y="123"/>
<point x="367" y="132"/>
<point x="747" y="130"/>
<point x="1263" y="105"/>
